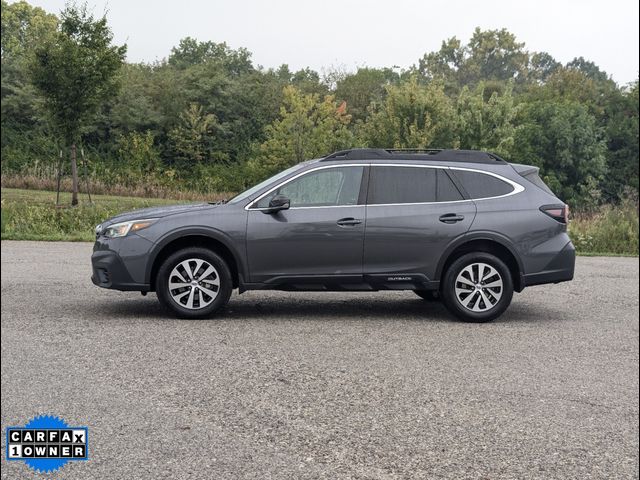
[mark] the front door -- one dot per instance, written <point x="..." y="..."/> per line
<point x="321" y="234"/>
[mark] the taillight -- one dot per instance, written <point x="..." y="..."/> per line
<point x="559" y="213"/>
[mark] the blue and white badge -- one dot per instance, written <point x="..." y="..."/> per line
<point x="47" y="443"/>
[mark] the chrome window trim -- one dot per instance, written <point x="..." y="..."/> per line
<point x="517" y="188"/>
<point x="248" y="205"/>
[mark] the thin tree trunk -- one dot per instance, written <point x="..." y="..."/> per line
<point x="86" y="173"/>
<point x="74" y="175"/>
<point x="59" y="175"/>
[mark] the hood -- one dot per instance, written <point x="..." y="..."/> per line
<point x="158" y="212"/>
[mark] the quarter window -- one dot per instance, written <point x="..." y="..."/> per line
<point x="390" y="185"/>
<point x="480" y="185"/>
<point x="321" y="188"/>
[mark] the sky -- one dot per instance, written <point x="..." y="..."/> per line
<point x="347" y="34"/>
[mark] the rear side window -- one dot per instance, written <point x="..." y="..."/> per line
<point x="410" y="185"/>
<point x="481" y="185"/>
<point x="446" y="191"/>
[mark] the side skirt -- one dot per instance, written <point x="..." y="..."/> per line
<point x="346" y="283"/>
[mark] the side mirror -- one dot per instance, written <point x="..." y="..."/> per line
<point x="277" y="203"/>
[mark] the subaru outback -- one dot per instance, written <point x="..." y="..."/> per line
<point x="464" y="227"/>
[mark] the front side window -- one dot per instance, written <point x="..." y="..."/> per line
<point x="392" y="185"/>
<point x="480" y="185"/>
<point x="256" y="188"/>
<point x="321" y="188"/>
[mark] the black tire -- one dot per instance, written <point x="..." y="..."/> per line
<point x="179" y="307"/>
<point x="429" y="295"/>
<point x="455" y="306"/>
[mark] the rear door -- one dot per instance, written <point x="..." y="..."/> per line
<point x="413" y="213"/>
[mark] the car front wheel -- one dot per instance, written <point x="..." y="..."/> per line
<point x="477" y="287"/>
<point x="194" y="283"/>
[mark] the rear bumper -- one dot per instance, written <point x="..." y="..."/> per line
<point x="109" y="272"/>
<point x="559" y="269"/>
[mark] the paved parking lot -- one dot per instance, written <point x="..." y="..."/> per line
<point x="347" y="385"/>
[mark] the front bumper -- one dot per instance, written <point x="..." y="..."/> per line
<point x="110" y="271"/>
<point x="559" y="269"/>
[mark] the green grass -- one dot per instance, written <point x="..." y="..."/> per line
<point x="33" y="215"/>
<point x="600" y="254"/>
<point x="611" y="230"/>
<point x="44" y="197"/>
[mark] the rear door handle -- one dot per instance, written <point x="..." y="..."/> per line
<point x="350" y="221"/>
<point x="451" y="218"/>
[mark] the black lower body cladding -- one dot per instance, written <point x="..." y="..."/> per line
<point x="560" y="269"/>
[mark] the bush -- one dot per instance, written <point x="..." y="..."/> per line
<point x="47" y="222"/>
<point x="612" y="229"/>
<point x="33" y="215"/>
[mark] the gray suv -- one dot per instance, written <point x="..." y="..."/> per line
<point x="464" y="227"/>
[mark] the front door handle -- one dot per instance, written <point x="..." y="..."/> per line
<point x="451" y="218"/>
<point x="349" y="221"/>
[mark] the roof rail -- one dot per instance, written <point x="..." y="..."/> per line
<point x="358" y="154"/>
<point x="428" y="154"/>
<point x="428" y="151"/>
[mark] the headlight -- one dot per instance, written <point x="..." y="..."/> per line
<point x="122" y="229"/>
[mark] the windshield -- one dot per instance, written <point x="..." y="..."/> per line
<point x="248" y="193"/>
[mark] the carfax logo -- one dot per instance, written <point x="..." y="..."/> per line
<point x="47" y="443"/>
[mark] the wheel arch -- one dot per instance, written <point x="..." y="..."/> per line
<point x="200" y="237"/>
<point x="487" y="242"/>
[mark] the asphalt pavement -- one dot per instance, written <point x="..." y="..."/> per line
<point x="323" y="385"/>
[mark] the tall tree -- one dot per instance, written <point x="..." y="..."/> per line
<point x="363" y="87"/>
<point x="489" y="55"/>
<point x="192" y="52"/>
<point x="23" y="28"/>
<point x="486" y="124"/>
<point x="564" y="140"/>
<point x="192" y="140"/>
<point x="541" y="65"/>
<point x="495" y="55"/>
<point x="308" y="127"/>
<point x="306" y="80"/>
<point x="411" y="116"/>
<point x="444" y="64"/>
<point x="623" y="155"/>
<point x="138" y="156"/>
<point x="589" y="68"/>
<point x="75" y="70"/>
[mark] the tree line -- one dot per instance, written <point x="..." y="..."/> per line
<point x="207" y="118"/>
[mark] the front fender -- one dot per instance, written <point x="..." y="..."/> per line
<point x="197" y="231"/>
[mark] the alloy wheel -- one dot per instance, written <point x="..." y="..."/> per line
<point x="478" y="287"/>
<point x="194" y="283"/>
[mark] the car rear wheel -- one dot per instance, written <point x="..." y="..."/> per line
<point x="194" y="283"/>
<point x="477" y="287"/>
<point x="429" y="295"/>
